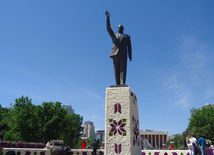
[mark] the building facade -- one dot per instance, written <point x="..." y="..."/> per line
<point x="89" y="129"/>
<point x="156" y="138"/>
<point x="100" y="134"/>
<point x="68" y="108"/>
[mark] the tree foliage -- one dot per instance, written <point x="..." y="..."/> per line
<point x="177" y="142"/>
<point x="30" y="123"/>
<point x="72" y="130"/>
<point x="4" y="127"/>
<point x="202" y="122"/>
<point x="52" y="120"/>
<point x="23" y="121"/>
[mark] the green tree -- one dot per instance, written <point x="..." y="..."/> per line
<point x="49" y="121"/>
<point x="178" y="141"/>
<point x="4" y="127"/>
<point x="23" y="121"/>
<point x="202" y="122"/>
<point x="72" y="129"/>
<point x="52" y="120"/>
<point x="90" y="140"/>
<point x="79" y="143"/>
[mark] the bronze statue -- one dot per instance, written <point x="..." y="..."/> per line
<point x="121" y="44"/>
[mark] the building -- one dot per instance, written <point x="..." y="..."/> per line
<point x="68" y="108"/>
<point x="89" y="129"/>
<point x="156" y="138"/>
<point x="173" y="136"/>
<point x="100" y="134"/>
<point x="150" y="138"/>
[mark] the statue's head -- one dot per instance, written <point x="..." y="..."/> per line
<point x="120" y="28"/>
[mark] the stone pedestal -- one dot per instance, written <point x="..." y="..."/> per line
<point x="122" y="133"/>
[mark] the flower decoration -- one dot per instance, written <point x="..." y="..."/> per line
<point x="117" y="108"/>
<point x="42" y="153"/>
<point x="84" y="153"/>
<point x="135" y="131"/>
<point x="118" y="148"/>
<point x="27" y="152"/>
<point x="118" y="127"/>
<point x="134" y="97"/>
<point x="101" y="153"/>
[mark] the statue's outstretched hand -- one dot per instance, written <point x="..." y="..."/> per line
<point x="107" y="14"/>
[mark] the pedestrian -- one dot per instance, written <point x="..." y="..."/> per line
<point x="83" y="146"/>
<point x="94" y="146"/>
<point x="202" y="143"/>
<point x="194" y="143"/>
<point x="172" y="147"/>
<point x="189" y="145"/>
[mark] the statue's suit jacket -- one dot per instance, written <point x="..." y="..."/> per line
<point x="121" y="43"/>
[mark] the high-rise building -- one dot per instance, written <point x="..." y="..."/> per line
<point x="89" y="129"/>
<point x="68" y="108"/>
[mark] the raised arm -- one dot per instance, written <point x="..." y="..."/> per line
<point x="108" y="26"/>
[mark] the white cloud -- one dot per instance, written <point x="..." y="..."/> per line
<point x="90" y="93"/>
<point x="81" y="89"/>
<point x="188" y="75"/>
<point x="180" y="91"/>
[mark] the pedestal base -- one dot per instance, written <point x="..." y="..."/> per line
<point x="122" y="134"/>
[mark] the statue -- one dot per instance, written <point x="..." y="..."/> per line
<point x="121" y="44"/>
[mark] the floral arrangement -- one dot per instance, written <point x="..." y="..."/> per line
<point x="11" y="144"/>
<point x="53" y="144"/>
<point x="56" y="146"/>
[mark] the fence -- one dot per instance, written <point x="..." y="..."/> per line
<point x="29" y="151"/>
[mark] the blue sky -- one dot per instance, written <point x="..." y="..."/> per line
<point x="58" y="50"/>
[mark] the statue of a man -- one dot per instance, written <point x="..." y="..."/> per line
<point x="121" y="47"/>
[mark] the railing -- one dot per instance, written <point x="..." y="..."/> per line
<point x="86" y="152"/>
<point x="29" y="151"/>
<point x="165" y="152"/>
<point x="144" y="152"/>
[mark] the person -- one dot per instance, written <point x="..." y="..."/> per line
<point x="172" y="147"/>
<point x="83" y="146"/>
<point x="189" y="145"/>
<point x="194" y="143"/>
<point x="202" y="143"/>
<point x="121" y="44"/>
<point x="103" y="145"/>
<point x="94" y="146"/>
<point x="98" y="142"/>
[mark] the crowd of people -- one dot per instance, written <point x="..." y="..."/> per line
<point x="195" y="145"/>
